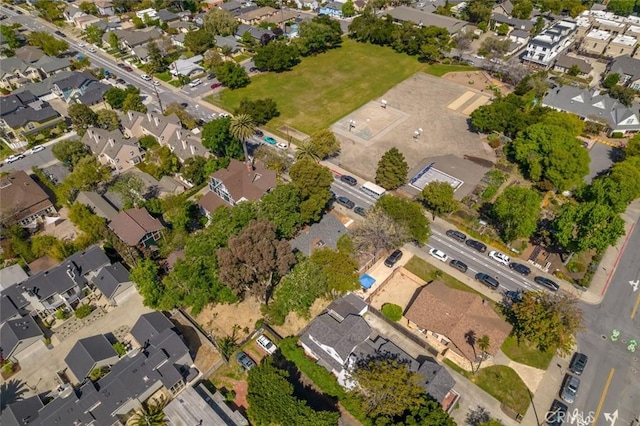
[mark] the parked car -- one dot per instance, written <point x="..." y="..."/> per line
<point x="282" y="145"/>
<point x="244" y="360"/>
<point x="476" y="245"/>
<point x="60" y="34"/>
<point x="344" y="201"/>
<point x="570" y="388"/>
<point x="499" y="257"/>
<point x="349" y="180"/>
<point x="253" y="69"/>
<point x="127" y="68"/>
<point x="360" y="210"/>
<point x="119" y="64"/>
<point x="120" y="81"/>
<point x="456" y="235"/>
<point x="520" y="268"/>
<point x="487" y="280"/>
<point x="91" y="50"/>
<point x="393" y="258"/>
<point x="270" y="140"/>
<point x="459" y="265"/>
<point x="12" y="158"/>
<point x="36" y="149"/>
<point x="514" y="296"/>
<point x="259" y="132"/>
<point x="195" y="82"/>
<point x="578" y="363"/>
<point x="211" y="76"/>
<point x="557" y="413"/>
<point x="266" y="344"/>
<point x="546" y="282"/>
<point x="145" y="77"/>
<point x="214" y="86"/>
<point x="156" y="82"/>
<point x="184" y="104"/>
<point x="440" y="255"/>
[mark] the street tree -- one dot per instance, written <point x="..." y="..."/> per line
<point x="242" y="127"/>
<point x="69" y="151"/>
<point x="114" y="41"/>
<point x="49" y="10"/>
<point x="307" y="151"/>
<point x="108" y="119"/>
<point x="254" y="260"/>
<point x="220" y="22"/>
<point x="516" y="212"/>
<point x="314" y="183"/>
<point x="156" y="61"/>
<point x="325" y="143"/>
<point x="438" y="198"/>
<point x="281" y="207"/>
<point x="133" y="102"/>
<point x="547" y="321"/>
<point x="94" y="34"/>
<point x="392" y="169"/>
<point x="49" y="44"/>
<point x="585" y="226"/>
<point x="9" y="35"/>
<point x="194" y="169"/>
<point x="408" y="214"/>
<point x="82" y="117"/>
<point x="260" y="110"/>
<point x="276" y="56"/>
<point x="198" y="41"/>
<point x="618" y="188"/>
<point x="378" y="233"/>
<point x="348" y="9"/>
<point x="130" y="188"/>
<point x="187" y="120"/>
<point x="232" y="75"/>
<point x="339" y="269"/>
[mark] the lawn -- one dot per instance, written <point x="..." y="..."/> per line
<point x="524" y="354"/>
<point x="323" y="88"/>
<point x="428" y="272"/>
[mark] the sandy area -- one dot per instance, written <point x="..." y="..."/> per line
<point x="294" y="322"/>
<point x="480" y="80"/>
<point x="219" y="320"/>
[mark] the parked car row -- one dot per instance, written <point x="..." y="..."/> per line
<point x="15" y="157"/>
<point x="246" y="361"/>
<point x="345" y="201"/>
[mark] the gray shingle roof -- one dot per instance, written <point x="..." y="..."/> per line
<point x="94" y="94"/>
<point x="625" y="65"/>
<point x="166" y="16"/>
<point x="7" y="308"/>
<point x="86" y="353"/>
<point x="418" y="17"/>
<point x="16" y="110"/>
<point x="149" y="326"/>
<point x="49" y="64"/>
<point x="438" y="381"/>
<point x="522" y="24"/>
<point x="110" y="278"/>
<point x="21" y="413"/>
<point x="324" y="233"/>
<point x="76" y="80"/>
<point x="256" y="33"/>
<point x="567" y="62"/>
<point x="15" y="331"/>
<point x="45" y="86"/>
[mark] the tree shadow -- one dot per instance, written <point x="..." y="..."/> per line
<point x="616" y="154"/>
<point x="11" y="391"/>
<point x="471" y="339"/>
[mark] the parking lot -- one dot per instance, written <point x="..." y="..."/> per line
<point x="422" y="103"/>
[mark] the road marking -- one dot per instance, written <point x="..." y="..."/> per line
<point x="635" y="307"/>
<point x="634" y="285"/>
<point x="604" y="395"/>
<point x="611" y="417"/>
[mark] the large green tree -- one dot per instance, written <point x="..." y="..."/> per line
<point x="621" y="7"/>
<point x="407" y="213"/>
<point x="618" y="188"/>
<point x="232" y="75"/>
<point x="281" y="206"/>
<point x="338" y="268"/>
<point x="9" y="35"/>
<point x="220" y="22"/>
<point x="133" y="102"/>
<point x="318" y="35"/>
<point x="87" y="175"/>
<point x="156" y="61"/>
<point x="146" y="276"/>
<point x="70" y="151"/>
<point x="94" y="34"/>
<point x="276" y="56"/>
<point x="589" y="225"/>
<point x="438" y="198"/>
<point x="198" y="41"/>
<point x="260" y="110"/>
<point x="516" y="212"/>
<point x="108" y="119"/>
<point x="392" y="169"/>
<point x="82" y="117"/>
<point x="379" y="233"/>
<point x="314" y="183"/>
<point x="49" y="44"/>
<point x="217" y="137"/>
<point x="242" y="127"/>
<point x="509" y="115"/>
<point x="325" y="144"/>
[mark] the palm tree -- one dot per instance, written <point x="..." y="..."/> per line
<point x="242" y="128"/>
<point x="483" y="344"/>
<point x="307" y="150"/>
<point x="150" y="415"/>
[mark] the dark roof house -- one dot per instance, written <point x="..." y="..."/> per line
<point x="97" y="204"/>
<point x="113" y="281"/>
<point x="22" y="412"/>
<point x="321" y="234"/>
<point x="17" y="335"/>
<point x="89" y="353"/>
<point x="136" y="226"/>
<point x="23" y="201"/>
<point x="628" y="69"/>
<point x="418" y="17"/>
<point x="564" y="63"/>
<point x="197" y="405"/>
<point x="150" y="326"/>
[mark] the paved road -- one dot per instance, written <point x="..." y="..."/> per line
<point x="39" y="159"/>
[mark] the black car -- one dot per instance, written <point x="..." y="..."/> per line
<point x="3" y="17"/>
<point x="578" y="363"/>
<point x="211" y="76"/>
<point x="121" y="65"/>
<point x="259" y="132"/>
<point x="245" y="361"/>
<point x="546" y="282"/>
<point x="514" y="296"/>
<point x="18" y="11"/>
<point x="456" y="235"/>
<point x="201" y="122"/>
<point x="556" y="414"/>
<point x="184" y="104"/>
<point x="253" y="69"/>
<point x="393" y="258"/>
<point x="476" y="245"/>
<point x="344" y="201"/>
<point x="349" y="180"/>
<point x="487" y="280"/>
<point x="520" y="268"/>
<point x="460" y="266"/>
<point x="120" y="81"/>
<point x="360" y="210"/>
<point x="60" y="33"/>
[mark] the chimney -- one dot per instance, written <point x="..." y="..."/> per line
<point x="184" y="144"/>
<point x="155" y="118"/>
<point x="71" y="272"/>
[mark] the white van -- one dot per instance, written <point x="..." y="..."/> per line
<point x="195" y="82"/>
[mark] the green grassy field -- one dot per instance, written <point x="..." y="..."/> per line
<point x="322" y="89"/>
<point x="524" y="354"/>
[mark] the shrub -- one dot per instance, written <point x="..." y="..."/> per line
<point x="575" y="266"/>
<point x="494" y="143"/>
<point x="97" y="373"/>
<point x="8" y="368"/>
<point x="617" y="135"/>
<point x="83" y="311"/>
<point x="61" y="314"/>
<point x="119" y="348"/>
<point x="392" y="312"/>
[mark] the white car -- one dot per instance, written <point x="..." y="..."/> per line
<point x="282" y="145"/>
<point x="224" y="115"/>
<point x="195" y="83"/>
<point x="36" y="149"/>
<point x="10" y="159"/>
<point x="145" y="77"/>
<point x="500" y="257"/>
<point x="438" y="254"/>
<point x="80" y="44"/>
<point x="156" y="83"/>
<point x="266" y="344"/>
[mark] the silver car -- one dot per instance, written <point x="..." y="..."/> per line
<point x="570" y="388"/>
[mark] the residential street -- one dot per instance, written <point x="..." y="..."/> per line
<point x="39" y="159"/>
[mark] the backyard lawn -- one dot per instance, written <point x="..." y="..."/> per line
<point x="323" y="88"/>
<point x="524" y="354"/>
<point x="428" y="272"/>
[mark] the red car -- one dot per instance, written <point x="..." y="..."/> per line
<point x="127" y="68"/>
<point x="216" y="85"/>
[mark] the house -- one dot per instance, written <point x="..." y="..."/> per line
<point x="448" y="316"/>
<point x="154" y="188"/>
<point x="148" y="13"/>
<point x="136" y="226"/>
<point x="256" y="16"/>
<point x="61" y="287"/>
<point x="12" y="275"/>
<point x="593" y="106"/>
<point x="183" y="26"/>
<point x="178" y="39"/>
<point x="150" y="326"/>
<point x="333" y="9"/>
<point x="22" y="412"/>
<point x="237" y="183"/>
<point x="187" y="66"/>
<point x="307" y="4"/>
<point x="207" y="5"/>
<point x="322" y="234"/>
<point x="595" y="42"/>
<point x="85" y="21"/>
<point x="17" y="335"/>
<point x="259" y="35"/>
<point x="231" y="6"/>
<point x="285" y="16"/>
<point x="14" y="72"/>
<point x="339" y="337"/>
<point x="621" y="45"/>
<point x="70" y="89"/>
<point x="23" y="200"/>
<point x="114" y="283"/>
<point x="418" y="17"/>
<point x="565" y="63"/>
<point x="166" y="16"/>
<point x="229" y="43"/>
<point x="519" y="36"/>
<point x="544" y="48"/>
<point x="29" y="54"/>
<point x="112" y="149"/>
<point x="88" y="354"/>
<point x="97" y="204"/>
<point x="44" y="89"/>
<point x="628" y="69"/>
<point x="142" y="53"/>
<point x="71" y="12"/>
<point x="498" y="19"/>
<point x="105" y="7"/>
<point x="49" y="66"/>
<point x="23" y="114"/>
<point x="129" y="39"/>
<point x="196" y="404"/>
<point x="505" y="8"/>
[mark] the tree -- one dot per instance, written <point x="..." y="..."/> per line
<point x="47" y="42"/>
<point x="242" y="127"/>
<point x="392" y="169"/>
<point x="509" y="115"/>
<point x="547" y="321"/>
<point x="621" y="7"/>
<point x="483" y="344"/>
<point x="478" y="11"/>
<point x="348" y="9"/>
<point x="574" y="71"/>
<point x="276" y="56"/>
<point x="88" y="8"/>
<point x="551" y="153"/>
<point x="49" y="10"/>
<point x="611" y="80"/>
<point x="522" y="9"/>
<point x="185" y="118"/>
<point x="493" y="47"/>
<point x="130" y="188"/>
<point x="115" y="97"/>
<point x="325" y="144"/>
<point x="94" y="34"/>
<point x="314" y="183"/>
<point x="338" y="268"/>
<point x="571" y="122"/>
<point x="89" y="223"/>
<point x="156" y="61"/>
<point x="318" y="35"/>
<point x="502" y="29"/>
<point x="618" y="188"/>
<point x="148" y="142"/>
<point x="217" y="137"/>
<point x="379" y="233"/>
<point x="587" y="226"/>
<point x="281" y="207"/>
<point x="108" y="119"/>
<point x="307" y="151"/>
<point x="86" y="176"/>
<point x="151" y="414"/>
<point x="408" y="214"/>
<point x="82" y="117"/>
<point x="633" y="147"/>
<point x="232" y="75"/>
<point x="9" y="36"/>
<point x="260" y="110"/>
<point x="254" y="260"/>
<point x="146" y="275"/>
<point x="625" y="95"/>
<point x="220" y="22"/>
<point x="198" y="41"/>
<point x="438" y="197"/>
<point x="481" y="417"/>
<point x="133" y="102"/>
<point x="274" y="159"/>
<point x="267" y="381"/>
<point x="70" y="151"/>
<point x="516" y="212"/>
<point x="114" y="41"/>
<point x="462" y="41"/>
<point x="194" y="170"/>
